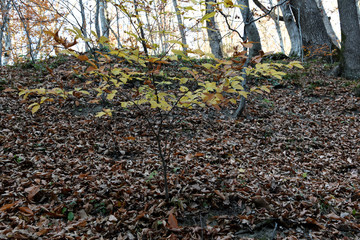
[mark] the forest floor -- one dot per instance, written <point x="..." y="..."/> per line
<point x="289" y="168"/>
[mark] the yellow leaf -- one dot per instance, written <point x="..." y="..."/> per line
<point x="100" y="114"/>
<point x="35" y="108"/>
<point x="207" y="16"/>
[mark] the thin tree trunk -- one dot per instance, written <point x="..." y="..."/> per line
<point x="83" y="23"/>
<point x="293" y="30"/>
<point x="181" y="26"/>
<point x="26" y="30"/>
<point x="250" y="30"/>
<point x="103" y="21"/>
<point x="276" y="20"/>
<point x="97" y="24"/>
<point x="213" y="31"/>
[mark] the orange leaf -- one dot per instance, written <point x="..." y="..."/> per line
<point x="220" y="194"/>
<point x="313" y="221"/>
<point x="42" y="232"/>
<point x="129" y="138"/>
<point x="7" y="206"/>
<point x="26" y="210"/>
<point x="172" y="221"/>
<point x="199" y="154"/>
<point x="83" y="57"/>
<point x="8" y="90"/>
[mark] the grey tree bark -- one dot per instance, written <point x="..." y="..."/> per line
<point x="181" y="26"/>
<point x="213" y="31"/>
<point x="276" y="19"/>
<point x="105" y="25"/>
<point x="5" y="6"/>
<point x="250" y="30"/>
<point x="97" y="13"/>
<point x="293" y="30"/>
<point x="350" y="41"/>
<point x="83" y="23"/>
<point x="327" y="23"/>
<point x="312" y="27"/>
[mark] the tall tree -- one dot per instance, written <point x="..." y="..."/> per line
<point x="250" y="30"/>
<point x="4" y="29"/>
<point x="350" y="41"/>
<point x="293" y="30"/>
<point x="311" y="25"/>
<point x="213" y="30"/>
<point x="181" y="25"/>
<point x="327" y="23"/>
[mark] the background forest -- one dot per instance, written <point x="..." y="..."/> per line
<point x="179" y="119"/>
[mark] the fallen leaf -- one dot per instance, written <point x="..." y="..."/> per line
<point x="173" y="223"/>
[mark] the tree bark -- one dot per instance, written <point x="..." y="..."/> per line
<point x="83" y="23"/>
<point x="213" y="31"/>
<point x="250" y="30"/>
<point x="350" y="41"/>
<point x="327" y="23"/>
<point x="293" y="30"/>
<point x="181" y="26"/>
<point x="103" y="20"/>
<point x="315" y="38"/>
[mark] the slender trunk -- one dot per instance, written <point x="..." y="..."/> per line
<point x="103" y="20"/>
<point x="293" y="30"/>
<point x="27" y="32"/>
<point x="213" y="31"/>
<point x="250" y="30"/>
<point x="97" y="24"/>
<point x="7" y="43"/>
<point x="83" y="23"/>
<point x="181" y="26"/>
<point x="276" y="19"/>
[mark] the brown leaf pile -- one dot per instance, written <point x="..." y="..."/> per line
<point x="289" y="169"/>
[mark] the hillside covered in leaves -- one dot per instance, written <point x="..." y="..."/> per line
<point x="287" y="169"/>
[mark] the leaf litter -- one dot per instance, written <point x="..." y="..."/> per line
<point x="288" y="169"/>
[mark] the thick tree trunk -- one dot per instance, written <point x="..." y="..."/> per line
<point x="213" y="31"/>
<point x="315" y="38"/>
<point x="181" y="26"/>
<point x="327" y="23"/>
<point x="350" y="41"/>
<point x="250" y="30"/>
<point x="293" y="30"/>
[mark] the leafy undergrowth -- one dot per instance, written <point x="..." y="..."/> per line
<point x="288" y="169"/>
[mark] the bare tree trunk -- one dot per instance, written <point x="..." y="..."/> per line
<point x="27" y="32"/>
<point x="313" y="31"/>
<point x="350" y="41"/>
<point x="327" y="23"/>
<point x="7" y="53"/>
<point x="250" y="30"/>
<point x="4" y="27"/>
<point x="103" y="20"/>
<point x="181" y="26"/>
<point x="97" y="13"/>
<point x="276" y="20"/>
<point x="213" y="31"/>
<point x="83" y="23"/>
<point x="293" y="30"/>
